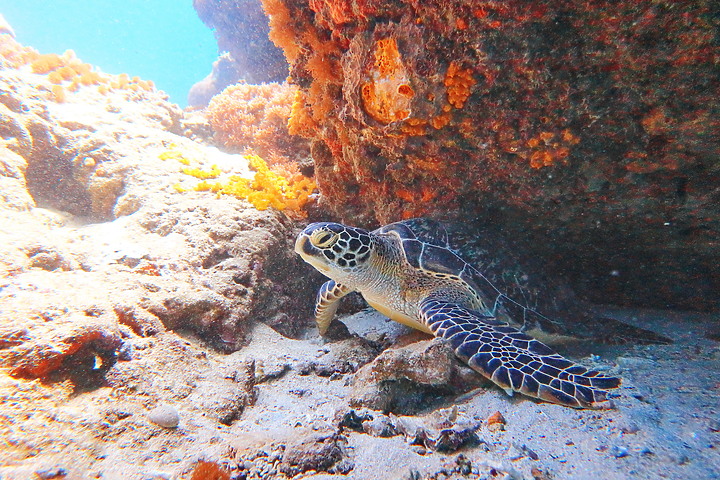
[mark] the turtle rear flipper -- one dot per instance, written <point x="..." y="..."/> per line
<point x="514" y="360"/>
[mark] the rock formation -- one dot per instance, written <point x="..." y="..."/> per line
<point x="589" y="129"/>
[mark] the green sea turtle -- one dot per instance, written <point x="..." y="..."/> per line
<point x="408" y="272"/>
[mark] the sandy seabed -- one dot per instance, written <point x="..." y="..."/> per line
<point x="664" y="423"/>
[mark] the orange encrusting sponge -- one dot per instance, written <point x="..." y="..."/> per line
<point x="388" y="94"/>
<point x="458" y="82"/>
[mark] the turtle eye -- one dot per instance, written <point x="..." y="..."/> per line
<point x="323" y="238"/>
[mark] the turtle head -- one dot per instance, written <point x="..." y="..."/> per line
<point x="334" y="249"/>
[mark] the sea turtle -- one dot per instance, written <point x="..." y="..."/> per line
<point x="408" y="272"/>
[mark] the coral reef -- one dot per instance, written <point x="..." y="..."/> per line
<point x="156" y="335"/>
<point x="98" y="157"/>
<point x="84" y="348"/>
<point x="588" y="127"/>
<point x="72" y="154"/>
<point x="254" y="119"/>
<point x="13" y="54"/>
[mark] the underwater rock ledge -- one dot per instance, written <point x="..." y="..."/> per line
<point x="589" y="129"/>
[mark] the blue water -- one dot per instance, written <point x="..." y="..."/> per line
<point x="159" y="40"/>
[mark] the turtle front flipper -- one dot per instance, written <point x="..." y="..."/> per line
<point x="327" y="302"/>
<point x="512" y="359"/>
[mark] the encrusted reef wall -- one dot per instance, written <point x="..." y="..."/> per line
<point x="590" y="128"/>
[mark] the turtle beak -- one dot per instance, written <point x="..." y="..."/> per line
<point x="304" y="248"/>
<point x="310" y="253"/>
<point x="300" y="242"/>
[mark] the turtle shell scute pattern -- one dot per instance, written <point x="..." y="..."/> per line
<point x="434" y="260"/>
<point x="422" y="229"/>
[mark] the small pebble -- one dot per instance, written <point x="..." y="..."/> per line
<point x="419" y="449"/>
<point x="465" y="466"/>
<point x="164" y="415"/>
<point x="629" y="427"/>
<point x="305" y="368"/>
<point x="54" y="472"/>
<point x="645" y="451"/>
<point x="380" y="426"/>
<point x="538" y="474"/>
<point x="125" y="352"/>
<point x="619" y="452"/>
<point x="496" y="422"/>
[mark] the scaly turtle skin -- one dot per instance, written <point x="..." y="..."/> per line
<point x="407" y="271"/>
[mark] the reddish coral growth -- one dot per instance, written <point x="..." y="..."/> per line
<point x="300" y="121"/>
<point x="59" y="93"/>
<point x="38" y="359"/>
<point x="338" y="11"/>
<point x="282" y="32"/>
<point x="46" y="63"/>
<point x="547" y="148"/>
<point x="254" y="119"/>
<point x="307" y="46"/>
<point x="209" y="471"/>
<point x="458" y="83"/>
